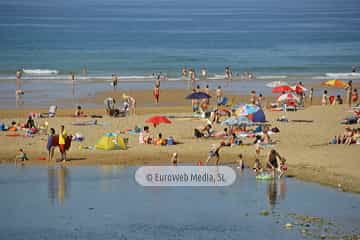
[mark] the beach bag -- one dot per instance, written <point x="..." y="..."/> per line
<point x="170" y="141"/>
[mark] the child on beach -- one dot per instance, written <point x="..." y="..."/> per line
<point x="241" y="162"/>
<point x="257" y="166"/>
<point x="174" y="159"/>
<point x="22" y="156"/>
<point x="50" y="144"/>
<point x="78" y="111"/>
<point x="214" y="153"/>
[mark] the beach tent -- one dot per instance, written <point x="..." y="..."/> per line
<point x="258" y="116"/>
<point x="111" y="141"/>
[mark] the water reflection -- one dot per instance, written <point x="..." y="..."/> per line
<point x="58" y="184"/>
<point x="276" y="190"/>
<point x="108" y="172"/>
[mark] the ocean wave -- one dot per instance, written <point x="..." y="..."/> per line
<point x="40" y="71"/>
<point x="272" y="77"/>
<point x="343" y="75"/>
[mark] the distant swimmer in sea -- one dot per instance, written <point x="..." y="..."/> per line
<point x="228" y="73"/>
<point x="184" y="72"/>
<point x="193" y="77"/>
<point x="203" y="73"/>
<point x="353" y="68"/>
<point x="18" y="79"/>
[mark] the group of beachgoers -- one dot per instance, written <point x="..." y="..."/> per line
<point x="128" y="106"/>
<point x="351" y="96"/>
<point x="349" y="136"/>
<point x="62" y="141"/>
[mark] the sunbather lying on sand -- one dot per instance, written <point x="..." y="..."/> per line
<point x="350" y="136"/>
<point x="203" y="131"/>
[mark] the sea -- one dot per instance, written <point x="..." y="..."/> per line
<point x="274" y="39"/>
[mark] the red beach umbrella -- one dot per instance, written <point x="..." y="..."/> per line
<point x="283" y="88"/>
<point x="288" y="97"/>
<point x="156" y="120"/>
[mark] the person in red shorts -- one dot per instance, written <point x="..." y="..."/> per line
<point x="62" y="139"/>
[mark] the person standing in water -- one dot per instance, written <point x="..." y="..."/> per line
<point x="193" y="77"/>
<point x="114" y="81"/>
<point x="354" y="68"/>
<point x="18" y="79"/>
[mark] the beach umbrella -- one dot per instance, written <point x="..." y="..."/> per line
<point x="276" y="83"/>
<point x="288" y="97"/>
<point x="247" y="109"/>
<point x="156" y="120"/>
<point x="258" y="116"/>
<point x="335" y="83"/>
<point x="232" y="121"/>
<point x="282" y="88"/>
<point x="198" y="95"/>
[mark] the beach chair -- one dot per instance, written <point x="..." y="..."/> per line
<point x="52" y="111"/>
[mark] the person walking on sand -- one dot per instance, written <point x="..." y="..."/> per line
<point x="324" y="99"/>
<point x="174" y="159"/>
<point x="62" y="139"/>
<point x="132" y="103"/>
<point x="214" y="153"/>
<point x="50" y="144"/>
<point x="22" y="156"/>
<point x="349" y="90"/>
<point x="311" y="95"/>
<point x="156" y="92"/>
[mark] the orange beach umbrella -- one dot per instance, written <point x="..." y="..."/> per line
<point x="335" y="83"/>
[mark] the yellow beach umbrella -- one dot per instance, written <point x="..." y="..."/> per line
<point x="335" y="83"/>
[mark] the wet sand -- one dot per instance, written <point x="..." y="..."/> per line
<point x="303" y="144"/>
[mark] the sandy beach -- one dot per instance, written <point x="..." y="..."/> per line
<point x="304" y="144"/>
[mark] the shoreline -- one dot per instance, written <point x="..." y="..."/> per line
<point x="303" y="144"/>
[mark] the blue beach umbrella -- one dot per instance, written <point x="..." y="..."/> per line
<point x="198" y="95"/>
<point x="247" y="109"/>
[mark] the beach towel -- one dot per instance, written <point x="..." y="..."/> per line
<point x="13" y="135"/>
<point x="88" y="123"/>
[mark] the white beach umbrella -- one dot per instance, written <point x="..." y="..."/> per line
<point x="288" y="97"/>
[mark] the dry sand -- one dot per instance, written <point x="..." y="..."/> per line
<point x="303" y="144"/>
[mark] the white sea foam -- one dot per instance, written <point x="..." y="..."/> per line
<point x="343" y="75"/>
<point x="40" y="71"/>
<point x="272" y="77"/>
